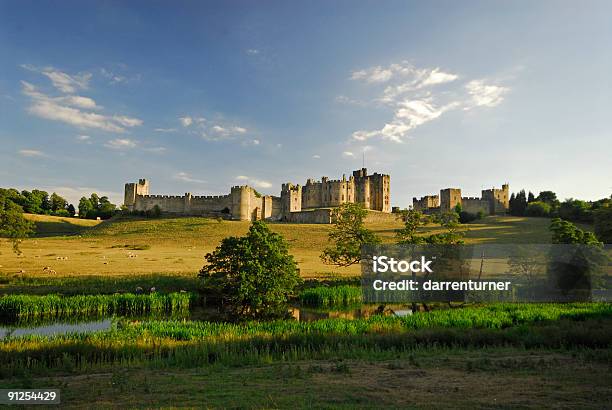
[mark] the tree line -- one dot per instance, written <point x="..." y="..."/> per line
<point x="39" y="202"/>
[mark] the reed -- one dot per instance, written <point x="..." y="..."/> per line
<point x="326" y="296"/>
<point x="21" y="308"/>
<point x="188" y="344"/>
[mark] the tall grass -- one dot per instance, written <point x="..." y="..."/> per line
<point x="325" y="296"/>
<point x="187" y="344"/>
<point x="20" y="308"/>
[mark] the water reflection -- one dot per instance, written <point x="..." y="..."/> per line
<point x="55" y="328"/>
<point x="304" y="314"/>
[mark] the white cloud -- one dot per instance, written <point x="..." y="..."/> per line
<point x="257" y="183"/>
<point x="165" y="130"/>
<point x="64" y="82"/>
<point x="31" y="153"/>
<point x="316" y="156"/>
<point x="252" y="51"/>
<point x="186" y="121"/>
<point x="348" y="154"/>
<point x="415" y="96"/>
<point x="62" y="109"/>
<point x="185" y="177"/>
<point x="120" y="144"/>
<point x="485" y="94"/>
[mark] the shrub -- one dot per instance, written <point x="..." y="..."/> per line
<point x="252" y="276"/>
<point x="538" y="208"/>
<point x="603" y="224"/>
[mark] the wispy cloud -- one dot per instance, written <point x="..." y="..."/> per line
<point x="156" y="150"/>
<point x="31" y="153"/>
<point x="74" y="110"/>
<point x="485" y="94"/>
<point x="186" y="177"/>
<point x="257" y="183"/>
<point x="252" y="51"/>
<point x="86" y="139"/>
<point x="64" y="82"/>
<point x="348" y="154"/>
<point x="316" y="156"/>
<point x="415" y="96"/>
<point x="213" y="130"/>
<point x="121" y="144"/>
<point x="165" y="130"/>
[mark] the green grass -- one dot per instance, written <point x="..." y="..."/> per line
<point x="188" y="344"/>
<point x="47" y="225"/>
<point x="326" y="296"/>
<point x="23" y="308"/>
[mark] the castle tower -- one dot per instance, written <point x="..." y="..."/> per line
<point x="449" y="198"/>
<point x="291" y="198"/>
<point x="133" y="190"/>
<point x="241" y="203"/>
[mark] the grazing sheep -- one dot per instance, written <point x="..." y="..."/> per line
<point x="138" y="290"/>
<point x="152" y="289"/>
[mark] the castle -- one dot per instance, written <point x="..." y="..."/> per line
<point x="311" y="203"/>
<point x="492" y="201"/>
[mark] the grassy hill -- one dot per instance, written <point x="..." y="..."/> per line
<point x="176" y="246"/>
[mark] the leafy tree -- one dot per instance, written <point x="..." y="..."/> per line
<point x="95" y="201"/>
<point x="412" y="220"/>
<point x="603" y="224"/>
<point x="86" y="208"/>
<point x="466" y="217"/>
<point x="71" y="210"/>
<point x="453" y="236"/>
<point x="57" y="202"/>
<point x="549" y="197"/>
<point x="530" y="197"/>
<point x="565" y="232"/>
<point x="571" y="269"/>
<point x="253" y="276"/>
<point x="575" y="210"/>
<point x="348" y="235"/>
<point x="538" y="208"/>
<point x="12" y="223"/>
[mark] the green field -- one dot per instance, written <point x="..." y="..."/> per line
<point x="511" y="356"/>
<point x="176" y="246"/>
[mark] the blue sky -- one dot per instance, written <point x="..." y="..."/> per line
<point x="200" y="96"/>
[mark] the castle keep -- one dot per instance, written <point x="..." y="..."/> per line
<point x="492" y="201"/>
<point x="310" y="203"/>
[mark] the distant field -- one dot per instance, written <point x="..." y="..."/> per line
<point x="176" y="246"/>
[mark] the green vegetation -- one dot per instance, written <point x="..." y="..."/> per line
<point x="21" y="308"/>
<point x="96" y="207"/>
<point x="603" y="224"/>
<point x="326" y="296"/>
<point x="348" y="235"/>
<point x="189" y="344"/>
<point x="253" y="276"/>
<point x="12" y="223"/>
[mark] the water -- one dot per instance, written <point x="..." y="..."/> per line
<point x="55" y="328"/>
<point x="304" y="314"/>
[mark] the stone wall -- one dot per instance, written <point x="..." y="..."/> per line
<point x="475" y="205"/>
<point x="425" y="203"/>
<point x="313" y="216"/>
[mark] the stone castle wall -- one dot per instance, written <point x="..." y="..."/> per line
<point x="242" y="203"/>
<point x="492" y="201"/>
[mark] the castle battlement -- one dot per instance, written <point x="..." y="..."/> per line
<point x="244" y="203"/>
<point x="492" y="201"/>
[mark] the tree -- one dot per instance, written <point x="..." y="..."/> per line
<point x="12" y="223"/>
<point x="565" y="232"/>
<point x="530" y="197"/>
<point x="571" y="268"/>
<point x="86" y="208"/>
<point x="575" y="210"/>
<point x="549" y="197"/>
<point x="348" y="235"/>
<point x="519" y="204"/>
<point x="58" y="203"/>
<point x="71" y="210"/>
<point x="450" y="222"/>
<point x="603" y="224"/>
<point x="253" y="276"/>
<point x="538" y="208"/>
<point x="412" y="220"/>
